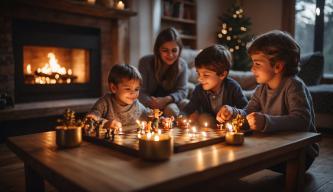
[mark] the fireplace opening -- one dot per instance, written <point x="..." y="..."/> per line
<point x="53" y="65"/>
<point x="55" y="61"/>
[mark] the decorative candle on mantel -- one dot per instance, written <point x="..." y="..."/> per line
<point x="120" y="5"/>
<point x="233" y="137"/>
<point x="154" y="146"/>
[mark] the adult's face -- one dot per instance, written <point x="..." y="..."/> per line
<point x="169" y="52"/>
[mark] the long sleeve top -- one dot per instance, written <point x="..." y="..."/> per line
<point x="107" y="108"/>
<point x="150" y="86"/>
<point x="287" y="108"/>
<point x="201" y="102"/>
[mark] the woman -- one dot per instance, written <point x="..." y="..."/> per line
<point x="164" y="74"/>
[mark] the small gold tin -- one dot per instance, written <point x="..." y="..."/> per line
<point x="67" y="137"/>
<point x="151" y="149"/>
<point x="233" y="138"/>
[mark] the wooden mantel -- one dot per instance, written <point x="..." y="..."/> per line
<point x="78" y="7"/>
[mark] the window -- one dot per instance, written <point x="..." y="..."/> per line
<point x="314" y="29"/>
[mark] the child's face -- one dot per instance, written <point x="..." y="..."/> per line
<point x="262" y="69"/>
<point x="126" y="92"/>
<point x="169" y="52"/>
<point x="209" y="79"/>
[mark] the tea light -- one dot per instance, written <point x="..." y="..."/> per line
<point x="155" y="146"/>
<point x="67" y="137"/>
<point x="232" y="137"/>
<point x="120" y="5"/>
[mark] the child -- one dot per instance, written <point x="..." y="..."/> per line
<point x="281" y="102"/>
<point x="216" y="88"/>
<point x="120" y="107"/>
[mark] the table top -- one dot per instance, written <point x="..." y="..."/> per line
<point x="93" y="167"/>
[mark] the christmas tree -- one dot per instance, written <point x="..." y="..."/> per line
<point x="234" y="34"/>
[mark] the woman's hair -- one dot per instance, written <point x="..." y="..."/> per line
<point x="216" y="58"/>
<point x="123" y="71"/>
<point x="278" y="46"/>
<point x="164" y="74"/>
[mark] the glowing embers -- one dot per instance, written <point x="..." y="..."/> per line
<point x="49" y="65"/>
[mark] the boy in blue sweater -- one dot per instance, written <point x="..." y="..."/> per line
<point x="216" y="88"/>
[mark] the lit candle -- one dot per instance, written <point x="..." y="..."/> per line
<point x="91" y="2"/>
<point x="120" y="5"/>
<point x="158" y="148"/>
<point x="206" y="124"/>
<point x="69" y="72"/>
<point x="232" y="137"/>
<point x="156" y="138"/>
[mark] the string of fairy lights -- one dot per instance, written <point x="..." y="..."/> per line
<point x="231" y="32"/>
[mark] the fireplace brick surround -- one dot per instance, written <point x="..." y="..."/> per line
<point x="114" y="45"/>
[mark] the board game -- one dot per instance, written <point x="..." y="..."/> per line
<point x="183" y="139"/>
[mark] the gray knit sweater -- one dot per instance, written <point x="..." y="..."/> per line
<point x="107" y="108"/>
<point x="287" y="108"/>
<point x="150" y="86"/>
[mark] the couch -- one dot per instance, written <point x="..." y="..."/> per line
<point x="311" y="72"/>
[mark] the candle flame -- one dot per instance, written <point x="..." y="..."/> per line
<point x="229" y="127"/>
<point x="156" y="138"/>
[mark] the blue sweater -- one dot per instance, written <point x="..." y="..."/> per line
<point x="200" y="102"/>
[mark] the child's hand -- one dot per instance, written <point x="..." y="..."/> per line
<point x="114" y="124"/>
<point x="93" y="117"/>
<point x="256" y="121"/>
<point x="224" y="114"/>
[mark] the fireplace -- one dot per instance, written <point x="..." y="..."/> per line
<point x="55" y="61"/>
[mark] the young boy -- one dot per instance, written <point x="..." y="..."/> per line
<point x="120" y="107"/>
<point x="216" y="88"/>
<point x="281" y="102"/>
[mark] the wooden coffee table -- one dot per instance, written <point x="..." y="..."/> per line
<point x="92" y="167"/>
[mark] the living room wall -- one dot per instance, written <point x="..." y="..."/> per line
<point x="143" y="28"/>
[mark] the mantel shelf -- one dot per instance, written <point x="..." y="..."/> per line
<point x="79" y="8"/>
<point x="46" y="108"/>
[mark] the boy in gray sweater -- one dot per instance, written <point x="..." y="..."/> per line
<point x="120" y="108"/>
<point x="281" y="102"/>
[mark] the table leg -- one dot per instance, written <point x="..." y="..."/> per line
<point x="295" y="173"/>
<point x="33" y="181"/>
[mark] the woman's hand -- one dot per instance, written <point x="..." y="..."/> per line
<point x="256" y="121"/>
<point x="224" y="114"/>
<point x="160" y="102"/>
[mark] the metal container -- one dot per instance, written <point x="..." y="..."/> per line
<point x="233" y="138"/>
<point x="67" y="137"/>
<point x="152" y="149"/>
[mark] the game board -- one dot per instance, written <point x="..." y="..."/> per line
<point x="128" y="142"/>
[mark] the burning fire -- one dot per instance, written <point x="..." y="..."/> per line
<point x="51" y="73"/>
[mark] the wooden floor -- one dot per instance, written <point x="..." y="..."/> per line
<point x="319" y="178"/>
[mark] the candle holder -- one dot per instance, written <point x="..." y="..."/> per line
<point x="68" y="137"/>
<point x="155" y="147"/>
<point x="234" y="138"/>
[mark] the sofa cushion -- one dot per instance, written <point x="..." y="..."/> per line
<point x="312" y="66"/>
<point x="322" y="98"/>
